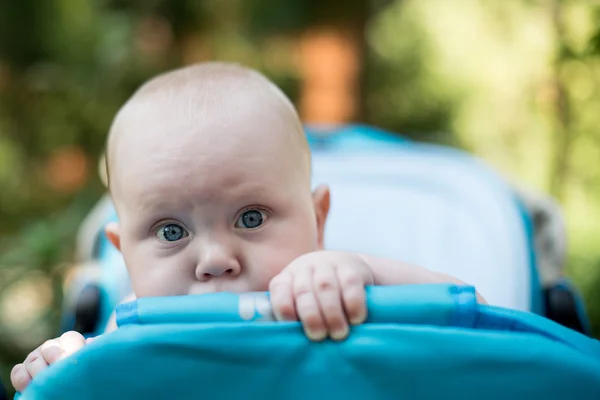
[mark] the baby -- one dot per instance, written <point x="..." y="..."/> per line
<point x="209" y="171"/>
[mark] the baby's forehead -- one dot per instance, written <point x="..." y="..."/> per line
<point x="208" y="168"/>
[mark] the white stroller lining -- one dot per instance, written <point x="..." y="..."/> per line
<point x="433" y="207"/>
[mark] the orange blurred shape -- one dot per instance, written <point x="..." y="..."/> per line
<point x="329" y="63"/>
<point x="153" y="36"/>
<point x="67" y="169"/>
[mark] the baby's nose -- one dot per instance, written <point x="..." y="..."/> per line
<point x="216" y="261"/>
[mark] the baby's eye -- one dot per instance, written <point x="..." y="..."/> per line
<point x="251" y="219"/>
<point x="171" y="232"/>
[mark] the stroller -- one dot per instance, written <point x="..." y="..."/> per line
<point x="425" y="204"/>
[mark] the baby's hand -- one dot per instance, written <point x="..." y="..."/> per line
<point x="325" y="290"/>
<point x="45" y="355"/>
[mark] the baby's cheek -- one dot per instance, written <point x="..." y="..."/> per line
<point x="154" y="274"/>
<point x="272" y="257"/>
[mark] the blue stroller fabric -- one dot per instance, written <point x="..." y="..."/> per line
<point x="419" y="342"/>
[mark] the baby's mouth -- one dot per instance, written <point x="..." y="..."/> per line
<point x="216" y="285"/>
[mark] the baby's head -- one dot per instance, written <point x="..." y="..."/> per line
<point x="209" y="171"/>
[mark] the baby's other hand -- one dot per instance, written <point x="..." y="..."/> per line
<point x="325" y="290"/>
<point x="45" y="355"/>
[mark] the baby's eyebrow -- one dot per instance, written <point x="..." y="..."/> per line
<point x="160" y="209"/>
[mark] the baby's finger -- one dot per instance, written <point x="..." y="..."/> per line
<point x="35" y="363"/>
<point x="70" y="342"/>
<point x="353" y="294"/>
<point x="51" y="351"/>
<point x="330" y="301"/>
<point x="282" y="297"/>
<point x="19" y="377"/>
<point x="307" y="306"/>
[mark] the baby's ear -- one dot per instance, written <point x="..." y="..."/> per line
<point x="321" y="200"/>
<point x="113" y="235"/>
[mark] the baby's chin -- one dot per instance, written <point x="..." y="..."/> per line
<point x="198" y="288"/>
<point x="224" y="286"/>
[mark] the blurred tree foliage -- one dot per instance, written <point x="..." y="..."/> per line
<point x="515" y="82"/>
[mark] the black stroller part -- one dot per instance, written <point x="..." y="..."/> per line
<point x="563" y="306"/>
<point x="88" y="309"/>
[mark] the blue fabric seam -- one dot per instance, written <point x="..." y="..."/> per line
<point x="127" y="314"/>
<point x="465" y="306"/>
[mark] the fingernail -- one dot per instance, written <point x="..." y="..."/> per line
<point x="316" y="335"/>
<point x="359" y="318"/>
<point x="340" y="334"/>
<point x="279" y="316"/>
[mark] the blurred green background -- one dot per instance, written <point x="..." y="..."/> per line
<point x="515" y="82"/>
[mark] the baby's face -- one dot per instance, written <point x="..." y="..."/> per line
<point x="211" y="204"/>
